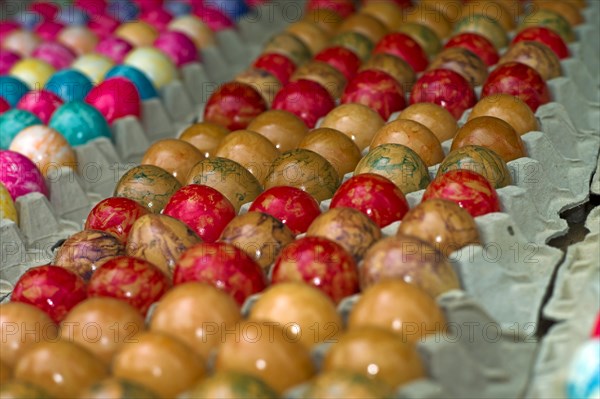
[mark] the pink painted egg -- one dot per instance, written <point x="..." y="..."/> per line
<point x="177" y="46"/>
<point x="41" y="103"/>
<point x="115" y="48"/>
<point x="20" y="175"/>
<point x="115" y="98"/>
<point x="55" y="54"/>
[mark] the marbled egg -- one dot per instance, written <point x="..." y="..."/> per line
<point x="79" y="123"/>
<point x="545" y="36"/>
<point x="496" y="10"/>
<point x="322" y="73"/>
<point x="356" y="121"/>
<point x="481" y="160"/>
<point x="7" y="206"/>
<point x="354" y="41"/>
<point x="282" y="128"/>
<point x="394" y="66"/>
<point x="388" y="13"/>
<point x="234" y="105"/>
<point x="205" y="136"/>
<point x="115" y="215"/>
<point x="537" y="55"/>
<point x="175" y="156"/>
<point x="154" y="63"/>
<point x="342" y="59"/>
<point x="231" y="385"/>
<point x="265" y="83"/>
<point x="477" y="44"/>
<point x="335" y="146"/>
<point x="345" y="384"/>
<point x="423" y="35"/>
<point x="365" y="24"/>
<point x="435" y="117"/>
<point x="463" y="61"/>
<point x="289" y="45"/>
<point x="549" y="19"/>
<point x="14" y="389"/>
<point x="12" y="122"/>
<point x="20" y="175"/>
<point x="117" y="388"/>
<point x="309" y="33"/>
<point x="431" y="18"/>
<point x="485" y="26"/>
<point x="567" y="9"/>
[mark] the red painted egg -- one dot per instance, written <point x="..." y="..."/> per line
<point x="4" y="105"/>
<point x="374" y="195"/>
<point x="41" y="103"/>
<point x="204" y="209"/>
<point x="129" y="279"/>
<point x="115" y="98"/>
<point x="468" y="189"/>
<point x="545" y="36"/>
<point x="445" y="88"/>
<point x="403" y="46"/>
<point x="342" y="7"/>
<point x="319" y="262"/>
<point x="342" y="59"/>
<point x="48" y="30"/>
<point x="294" y="207"/>
<point x="306" y="99"/>
<point x="222" y="265"/>
<point x="278" y="65"/>
<point x="477" y="44"/>
<point x="596" y="331"/>
<point x="520" y="81"/>
<point x="53" y="289"/>
<point x="234" y="105"/>
<point x="115" y="215"/>
<point x="377" y="90"/>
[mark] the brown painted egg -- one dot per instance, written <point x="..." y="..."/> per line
<point x="402" y="308"/>
<point x="415" y="136"/>
<point x="537" y="55"/>
<point x="160" y="240"/>
<point x="61" y="368"/>
<point x="148" y="185"/>
<point x="85" y="251"/>
<point x="265" y="83"/>
<point x="398" y="163"/>
<point x="205" y="136"/>
<point x="424" y="36"/>
<point x="231" y="385"/>
<point x="354" y="41"/>
<point x="266" y="351"/>
<point x="495" y="10"/>
<point x="230" y="178"/>
<point x="14" y="389"/>
<point x="462" y="61"/>
<point x="438" y="119"/>
<point x="309" y="33"/>
<point x="5" y="373"/>
<point x="394" y="66"/>
<point x="410" y="259"/>
<point x="334" y="146"/>
<point x="117" y="388"/>
<point x="481" y="160"/>
<point x="160" y="363"/>
<point x="251" y="150"/>
<point x="15" y="319"/>
<point x="441" y="223"/>
<point x="305" y="170"/>
<point x="376" y="353"/>
<point x="366" y="25"/>
<point x="433" y="19"/>
<point x="485" y="26"/>
<point x="258" y="234"/>
<point x="288" y="44"/>
<point x="356" y="121"/>
<point x="388" y="13"/>
<point x="326" y="19"/>
<point x="567" y="9"/>
<point x="175" y="156"/>
<point x="305" y="312"/>
<point x="492" y="133"/>
<point x="324" y="74"/>
<point x="510" y="109"/>
<point x="282" y="128"/>
<point x="197" y="314"/>
<point x="102" y="326"/>
<point x="346" y="384"/>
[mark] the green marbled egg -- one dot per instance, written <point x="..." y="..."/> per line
<point x="485" y="26"/>
<point x="21" y="390"/>
<point x="478" y="159"/>
<point x="118" y="388"/>
<point x="354" y="41"/>
<point x="344" y="384"/>
<point x="231" y="385"/>
<point x="289" y="45"/>
<point x="423" y="35"/>
<point x="551" y="20"/>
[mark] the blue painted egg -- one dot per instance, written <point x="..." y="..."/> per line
<point x="235" y="9"/>
<point x="79" y="123"/>
<point x="12" y="122"/>
<point x="73" y="16"/>
<point x="137" y="77"/>
<point x="584" y="379"/>
<point x="69" y="84"/>
<point x="12" y="89"/>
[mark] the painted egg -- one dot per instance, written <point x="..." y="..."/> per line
<point x="79" y="123"/>
<point x="377" y="90"/>
<point x="14" y="121"/>
<point x="260" y="235"/>
<point x="481" y="160"/>
<point x="115" y="48"/>
<point x="399" y="307"/>
<point x="342" y="59"/>
<point x="583" y="380"/>
<point x="265" y="351"/>
<point x="230" y="178"/>
<point x="14" y="389"/>
<point x="451" y="9"/>
<point x="133" y="280"/>
<point x="33" y="72"/>
<point x="342" y="7"/>
<point x="24" y="317"/>
<point x="549" y="19"/>
<point x="221" y="265"/>
<point x="55" y="54"/>
<point x="213" y="17"/>
<point x="305" y="170"/>
<point x="5" y="374"/>
<point x="103" y="25"/>
<point x="293" y="207"/>
<point x="492" y="133"/>
<point x="20" y="175"/>
<point x="21" y="42"/>
<point x="436" y="118"/>
<point x="7" y="27"/>
<point x="423" y="35"/>
<point x="322" y="73"/>
<point x="485" y="26"/>
<point x="282" y="128"/>
<point x="7" y="60"/>
<point x="319" y="262"/>
<point x="335" y="146"/>
<point x="115" y="98"/>
<point x="41" y="103"/>
<point x="234" y="105"/>
<point x="477" y="44"/>
<point x="205" y="136"/>
<point x="251" y="150"/>
<point x="69" y="84"/>
<point x="148" y="185"/>
<point x="197" y="314"/>
<point x="7" y="206"/>
<point x="309" y="33"/>
<point x="141" y="81"/>
<point x="4" y="106"/>
<point x="53" y="289"/>
<point x="102" y="326"/>
<point x="356" y="121"/>
<point x="138" y="33"/>
<point x="376" y="353"/>
<point x="154" y="63"/>
<point x="345" y="384"/>
<point x="79" y="39"/>
<point x="265" y="83"/>
<point x="175" y="156"/>
<point x="160" y="363"/>
<point x="537" y="55"/>
<point x="510" y="109"/>
<point x="50" y="366"/>
<point x="178" y="46"/>
<point x="326" y="18"/>
<point x="197" y="30"/>
<point x="431" y="18"/>
<point x="355" y="42"/>
<point x="231" y="385"/>
<point x="399" y="164"/>
<point x="12" y="89"/>
<point x="568" y="10"/>
<point x="496" y="10"/>
<point x="409" y="259"/>
<point x="545" y="36"/>
<point x="462" y="61"/>
<point x="160" y="240"/>
<point x="403" y="46"/>
<point x="445" y="88"/>
<point x="366" y="25"/>
<point x="468" y="189"/>
<point x="277" y="64"/>
<point x="388" y="13"/>
<point x="305" y="99"/>
<point x="441" y="223"/>
<point x="115" y="215"/>
<point x="117" y="388"/>
<point x="288" y="45"/>
<point x="85" y="251"/>
<point x="94" y="66"/>
<point x="394" y="66"/>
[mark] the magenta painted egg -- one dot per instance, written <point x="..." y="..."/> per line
<point x="204" y="209"/>
<point x="115" y="215"/>
<point x="342" y="59"/>
<point x="306" y="99"/>
<point x="477" y="44"/>
<point x="46" y="9"/>
<point x="129" y="279"/>
<point x="213" y="17"/>
<point x="445" y="88"/>
<point x="7" y="27"/>
<point x="20" y="175"/>
<point x="4" y="105"/>
<point x="7" y="60"/>
<point x="233" y="105"/>
<point x="115" y="98"/>
<point x="278" y="65"/>
<point x="41" y="103"/>
<point x="343" y="7"/>
<point x="55" y="54"/>
<point x="403" y="46"/>
<point x="222" y="265"/>
<point x="177" y="46"/>
<point x="469" y="189"/>
<point x="115" y="48"/>
<point x="519" y="80"/>
<point x="374" y="195"/>
<point x="157" y="17"/>
<point x="377" y="90"/>
<point x="53" y="289"/>
<point x="48" y="30"/>
<point x="294" y="207"/>
<point x="103" y="25"/>
<point x="545" y="36"/>
<point x="319" y="262"/>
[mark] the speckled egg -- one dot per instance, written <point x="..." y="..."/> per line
<point x="12" y="122"/>
<point x="549" y="19"/>
<point x="354" y="41"/>
<point x="94" y="66"/>
<point x="55" y="54"/>
<point x="154" y="63"/>
<point x="115" y="215"/>
<point x="69" y="84"/>
<point x="79" y="39"/>
<point x="342" y="59"/>
<point x="279" y="65"/>
<point x="537" y="55"/>
<point x="231" y="385"/>
<point x="481" y="160"/>
<point x="403" y="46"/>
<point x="309" y="33"/>
<point x="322" y="73"/>
<point x="545" y="36"/>
<point x="197" y="30"/>
<point x="117" y="388"/>
<point x="356" y="121"/>
<point x="423" y="35"/>
<point x="462" y="61"/>
<point x="485" y="26"/>
<point x="306" y="99"/>
<point x="289" y="45"/>
<point x="138" y="33"/>
<point x="265" y="83"/>
<point x="115" y="98"/>
<point x="79" y="123"/>
<point x="148" y="185"/>
<point x="282" y="128"/>
<point x="7" y="206"/>
<point x="435" y="117"/>
<point x="477" y="44"/>
<point x="510" y="109"/>
<point x="115" y="48"/>
<point x="335" y="146"/>
<point x="234" y="105"/>
<point x="365" y="24"/>
<point x="175" y="156"/>
<point x="20" y="175"/>
<point x="345" y="384"/>
<point x="33" y="72"/>
<point x="205" y="136"/>
<point x="394" y="66"/>
<point x="41" y="103"/>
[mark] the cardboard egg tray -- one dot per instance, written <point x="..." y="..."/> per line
<point x="492" y="349"/>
